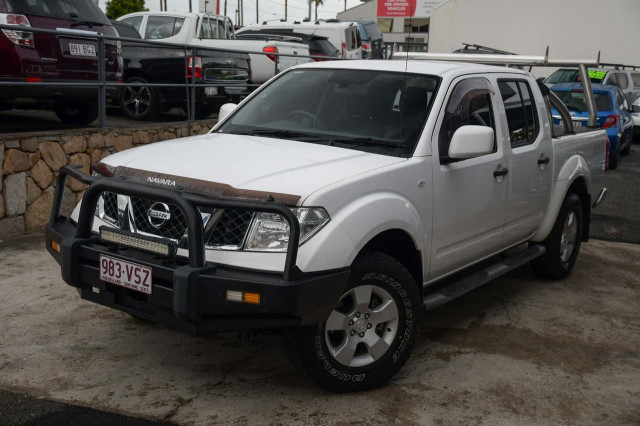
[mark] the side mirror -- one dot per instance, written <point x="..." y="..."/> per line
<point x="635" y="109"/>
<point x="471" y="142"/>
<point x="225" y="110"/>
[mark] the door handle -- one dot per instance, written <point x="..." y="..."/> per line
<point x="543" y="160"/>
<point x="500" y="172"/>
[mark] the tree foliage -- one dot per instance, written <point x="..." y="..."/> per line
<point x="117" y="8"/>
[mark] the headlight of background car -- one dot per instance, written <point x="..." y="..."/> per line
<point x="270" y="231"/>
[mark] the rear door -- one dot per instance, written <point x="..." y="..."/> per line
<point x="469" y="196"/>
<point x="351" y="45"/>
<point x="529" y="157"/>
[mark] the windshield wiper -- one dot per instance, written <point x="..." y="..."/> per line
<point x="283" y="134"/>
<point x="368" y="142"/>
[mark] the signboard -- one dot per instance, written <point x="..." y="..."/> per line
<point x="406" y="8"/>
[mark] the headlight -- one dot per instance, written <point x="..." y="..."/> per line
<point x="270" y="231"/>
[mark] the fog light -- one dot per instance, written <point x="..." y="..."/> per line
<point x="55" y="246"/>
<point x="137" y="242"/>
<point x="253" y="298"/>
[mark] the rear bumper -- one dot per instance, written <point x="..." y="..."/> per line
<point x="186" y="295"/>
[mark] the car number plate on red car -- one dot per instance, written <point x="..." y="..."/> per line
<point x="82" y="49"/>
<point x="125" y="274"/>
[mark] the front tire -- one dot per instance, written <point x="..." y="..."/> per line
<point x="78" y="113"/>
<point x="563" y="243"/>
<point x="369" y="335"/>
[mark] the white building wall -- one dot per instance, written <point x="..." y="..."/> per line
<point x="571" y="28"/>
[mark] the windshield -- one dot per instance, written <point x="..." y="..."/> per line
<point x="77" y="10"/>
<point x="575" y="101"/>
<point x="373" y="111"/>
<point x="573" y="76"/>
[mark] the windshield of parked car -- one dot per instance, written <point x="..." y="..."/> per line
<point x="374" y="111"/>
<point x="575" y="101"/>
<point x="78" y="10"/>
<point x="573" y="76"/>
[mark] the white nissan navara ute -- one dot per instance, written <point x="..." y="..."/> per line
<point x="338" y="202"/>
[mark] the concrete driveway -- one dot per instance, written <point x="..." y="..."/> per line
<point x="517" y="351"/>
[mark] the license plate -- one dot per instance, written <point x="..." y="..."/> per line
<point x="577" y="124"/>
<point x="125" y="274"/>
<point x="82" y="49"/>
<point x="211" y="91"/>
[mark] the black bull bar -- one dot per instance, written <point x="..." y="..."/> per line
<point x="185" y="287"/>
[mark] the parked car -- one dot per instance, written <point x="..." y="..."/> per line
<point x="318" y="46"/>
<point x="372" y="40"/>
<point x="627" y="80"/>
<point x="334" y="201"/>
<point x="614" y="114"/>
<point x="635" y="112"/>
<point x="46" y="58"/>
<point x="166" y="65"/>
<point x="344" y="35"/>
<point x="216" y="31"/>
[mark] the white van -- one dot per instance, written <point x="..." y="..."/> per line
<point x="344" y="35"/>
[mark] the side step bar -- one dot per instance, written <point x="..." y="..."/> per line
<point x="475" y="280"/>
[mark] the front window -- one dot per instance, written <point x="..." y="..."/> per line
<point x="134" y="21"/>
<point x="380" y="112"/>
<point x="159" y="27"/>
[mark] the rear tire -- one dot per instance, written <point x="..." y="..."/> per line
<point x="563" y="243"/>
<point x="79" y="113"/>
<point x="139" y="102"/>
<point x="627" y="148"/>
<point x="369" y="335"/>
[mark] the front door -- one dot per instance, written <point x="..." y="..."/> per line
<point x="469" y="195"/>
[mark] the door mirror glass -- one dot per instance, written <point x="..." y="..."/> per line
<point x="471" y="141"/>
<point x="225" y="110"/>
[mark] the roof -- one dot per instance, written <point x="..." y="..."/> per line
<point x="412" y="66"/>
<point x="563" y="87"/>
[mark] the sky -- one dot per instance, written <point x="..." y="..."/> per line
<point x="269" y="9"/>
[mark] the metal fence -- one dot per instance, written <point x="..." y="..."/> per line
<point x="101" y="83"/>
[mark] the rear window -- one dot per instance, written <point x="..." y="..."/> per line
<point x="575" y="101"/>
<point x="372" y="31"/>
<point x="636" y="79"/>
<point x="77" y="10"/>
<point x="323" y="47"/>
<point x="159" y="27"/>
<point x="353" y="38"/>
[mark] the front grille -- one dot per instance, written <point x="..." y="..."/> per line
<point x="174" y="228"/>
<point x="229" y="231"/>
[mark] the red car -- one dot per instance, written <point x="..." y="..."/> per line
<point x="41" y="58"/>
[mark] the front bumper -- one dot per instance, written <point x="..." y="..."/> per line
<point x="190" y="295"/>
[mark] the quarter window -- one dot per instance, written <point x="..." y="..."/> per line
<point x="469" y="104"/>
<point x="519" y="107"/>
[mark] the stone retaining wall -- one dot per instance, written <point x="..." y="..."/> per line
<point x="30" y="164"/>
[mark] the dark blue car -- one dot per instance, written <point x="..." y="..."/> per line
<point x="614" y="114"/>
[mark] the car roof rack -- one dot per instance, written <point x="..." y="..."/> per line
<point x="518" y="61"/>
<point x="619" y="66"/>
<point x="469" y="46"/>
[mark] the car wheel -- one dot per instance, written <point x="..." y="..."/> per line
<point x="80" y="113"/>
<point x="627" y="148"/>
<point x="139" y="102"/>
<point x="370" y="333"/>
<point x="563" y="243"/>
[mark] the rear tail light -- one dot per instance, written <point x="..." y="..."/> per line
<point x="320" y="59"/>
<point x="344" y="49"/>
<point x="198" y="67"/>
<point x="366" y="47"/>
<point x="611" y="121"/>
<point x="606" y="159"/>
<point x="21" y="38"/>
<point x="270" y="49"/>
